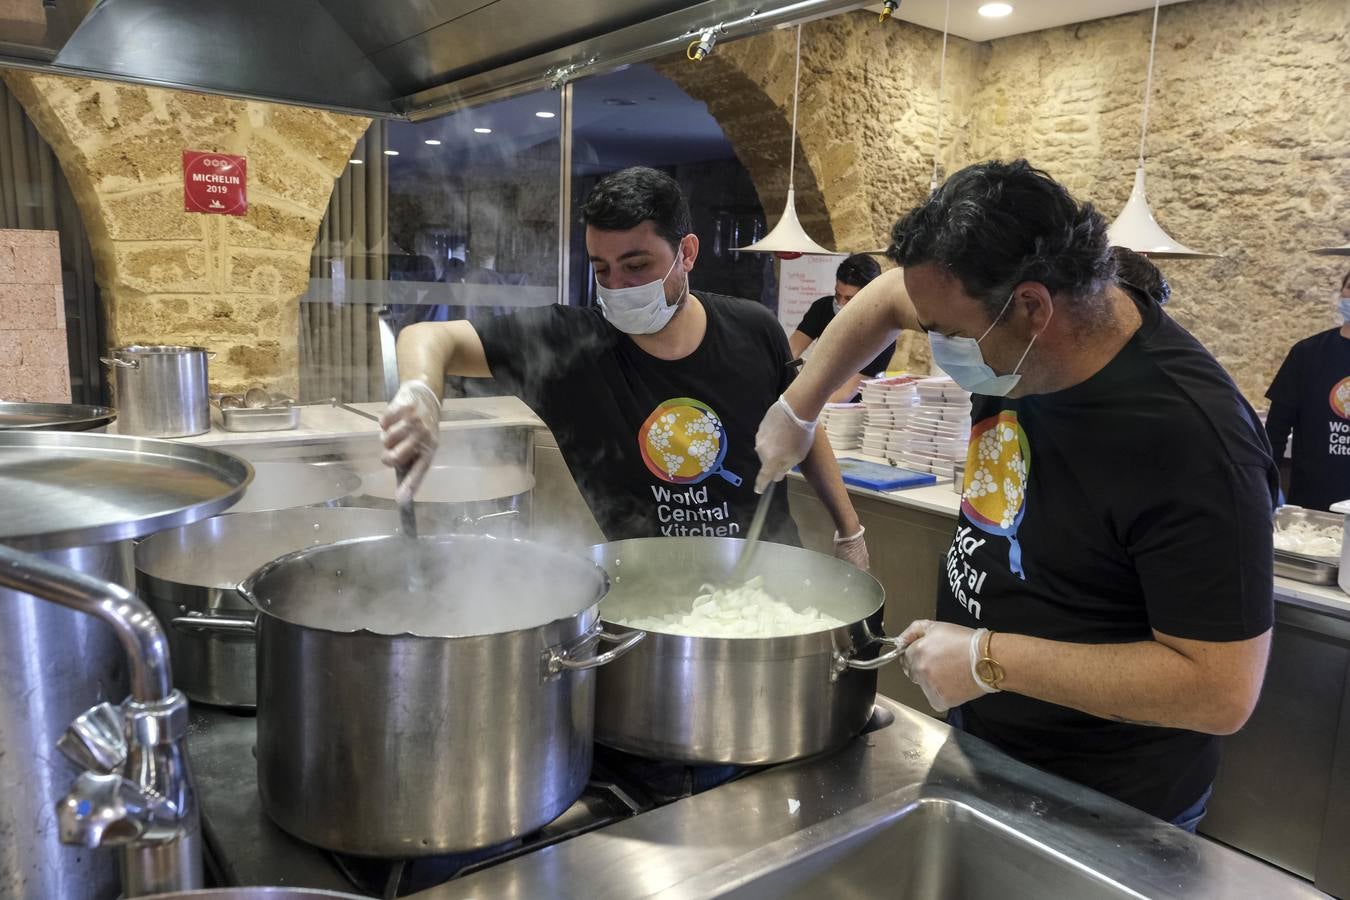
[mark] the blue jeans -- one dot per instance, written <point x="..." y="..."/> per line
<point x="1187" y="820"/>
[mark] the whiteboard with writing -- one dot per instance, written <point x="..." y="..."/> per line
<point x="801" y="282"/>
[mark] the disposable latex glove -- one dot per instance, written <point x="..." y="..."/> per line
<point x="852" y="549"/>
<point x="411" y="430"/>
<point x="783" y="440"/>
<point x="939" y="658"/>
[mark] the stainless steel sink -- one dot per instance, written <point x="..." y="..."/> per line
<point x="934" y="848"/>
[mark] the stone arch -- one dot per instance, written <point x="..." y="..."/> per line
<point x="168" y="276"/>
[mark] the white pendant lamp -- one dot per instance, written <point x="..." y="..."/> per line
<point x="1343" y="250"/>
<point x="1135" y="228"/>
<point x="788" y="239"/>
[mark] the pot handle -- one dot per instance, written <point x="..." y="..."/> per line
<point x="867" y="665"/>
<point x="556" y="661"/>
<point x="217" y="624"/>
<point x="120" y="363"/>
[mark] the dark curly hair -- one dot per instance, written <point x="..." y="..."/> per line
<point x="1137" y="271"/>
<point x="995" y="224"/>
<point x="629" y="197"/>
<point x="858" y="270"/>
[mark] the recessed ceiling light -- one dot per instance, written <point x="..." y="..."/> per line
<point x="482" y="131"/>
<point x="432" y="142"/>
<point x="391" y="153"/>
<point x="995" y="10"/>
<point x="358" y="162"/>
<point x="545" y="114"/>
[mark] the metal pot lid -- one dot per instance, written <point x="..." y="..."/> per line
<point x="286" y="485"/>
<point x="62" y="489"/>
<point x="16" y="416"/>
<point x="455" y="483"/>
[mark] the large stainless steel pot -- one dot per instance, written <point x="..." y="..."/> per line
<point x="397" y="722"/>
<point x="475" y="497"/>
<point x="196" y="570"/>
<point x="286" y="485"/>
<point x="257" y="893"/>
<point x="748" y="701"/>
<point x="75" y="499"/>
<point x="160" y="391"/>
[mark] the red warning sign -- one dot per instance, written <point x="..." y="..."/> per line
<point x="215" y="183"/>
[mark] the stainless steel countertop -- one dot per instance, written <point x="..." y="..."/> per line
<point x="727" y="838"/>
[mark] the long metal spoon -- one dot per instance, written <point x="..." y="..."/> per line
<point x="407" y="520"/>
<point x="739" y="574"/>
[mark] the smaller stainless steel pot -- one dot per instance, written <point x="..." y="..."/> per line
<point x="194" y="572"/>
<point x="160" y="391"/>
<point x="746" y="701"/>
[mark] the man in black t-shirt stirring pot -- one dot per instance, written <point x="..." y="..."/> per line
<point x="1104" y="610"/>
<point x="653" y="397"/>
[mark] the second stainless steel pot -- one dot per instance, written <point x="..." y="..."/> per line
<point x="398" y="723"/>
<point x="748" y="701"/>
<point x="195" y="571"/>
<point x="160" y="391"/>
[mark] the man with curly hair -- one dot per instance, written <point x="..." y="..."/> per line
<point x="1104" y="610"/>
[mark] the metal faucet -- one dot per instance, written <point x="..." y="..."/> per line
<point x="136" y="791"/>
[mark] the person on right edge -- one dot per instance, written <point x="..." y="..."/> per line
<point x="1106" y="604"/>
<point x="1310" y="397"/>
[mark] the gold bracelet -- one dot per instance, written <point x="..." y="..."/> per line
<point x="988" y="668"/>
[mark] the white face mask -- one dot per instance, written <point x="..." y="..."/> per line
<point x="1344" y="304"/>
<point x="962" y="359"/>
<point x="638" y="310"/>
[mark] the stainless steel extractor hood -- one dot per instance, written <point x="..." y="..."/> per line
<point x="398" y="58"/>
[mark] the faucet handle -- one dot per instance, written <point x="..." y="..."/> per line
<point x="96" y="740"/>
<point x="103" y="811"/>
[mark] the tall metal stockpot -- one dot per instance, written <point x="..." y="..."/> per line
<point x="160" y="390"/>
<point x="748" y="701"/>
<point x="195" y="571"/>
<point x="425" y="697"/>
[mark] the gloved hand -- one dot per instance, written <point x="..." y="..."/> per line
<point x="783" y="440"/>
<point x="410" y="430"/>
<point x="940" y="658"/>
<point x="852" y="549"/>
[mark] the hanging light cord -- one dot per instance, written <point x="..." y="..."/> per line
<point x="796" y="82"/>
<point x="1148" y="84"/>
<point x="942" y="78"/>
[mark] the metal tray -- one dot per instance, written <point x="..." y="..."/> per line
<point x="1308" y="569"/>
<point x="273" y="418"/>
<point x="60" y="489"/>
<point x="16" y="416"/>
<point x="1303" y="566"/>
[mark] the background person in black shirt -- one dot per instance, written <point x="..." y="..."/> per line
<point x="1310" y="398"/>
<point x="654" y="396"/>
<point x="853" y="274"/>
<point x="1105" y="606"/>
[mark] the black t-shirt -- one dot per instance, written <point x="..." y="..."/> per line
<point x="1310" y="396"/>
<point x="820" y="315"/>
<point x="1139" y="499"/>
<point x="657" y="447"/>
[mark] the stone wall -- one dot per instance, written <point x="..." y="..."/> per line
<point x="33" y="363"/>
<point x="1249" y="141"/>
<point x="167" y="276"/>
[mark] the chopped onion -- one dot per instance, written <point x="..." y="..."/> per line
<point x="1309" y="539"/>
<point x="745" y="611"/>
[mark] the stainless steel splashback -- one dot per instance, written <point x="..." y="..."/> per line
<point x="398" y="58"/>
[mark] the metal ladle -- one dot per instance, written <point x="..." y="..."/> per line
<point x="407" y="521"/>
<point x="740" y="572"/>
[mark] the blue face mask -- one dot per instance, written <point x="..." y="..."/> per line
<point x="1344" y="303"/>
<point x="962" y="359"/>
